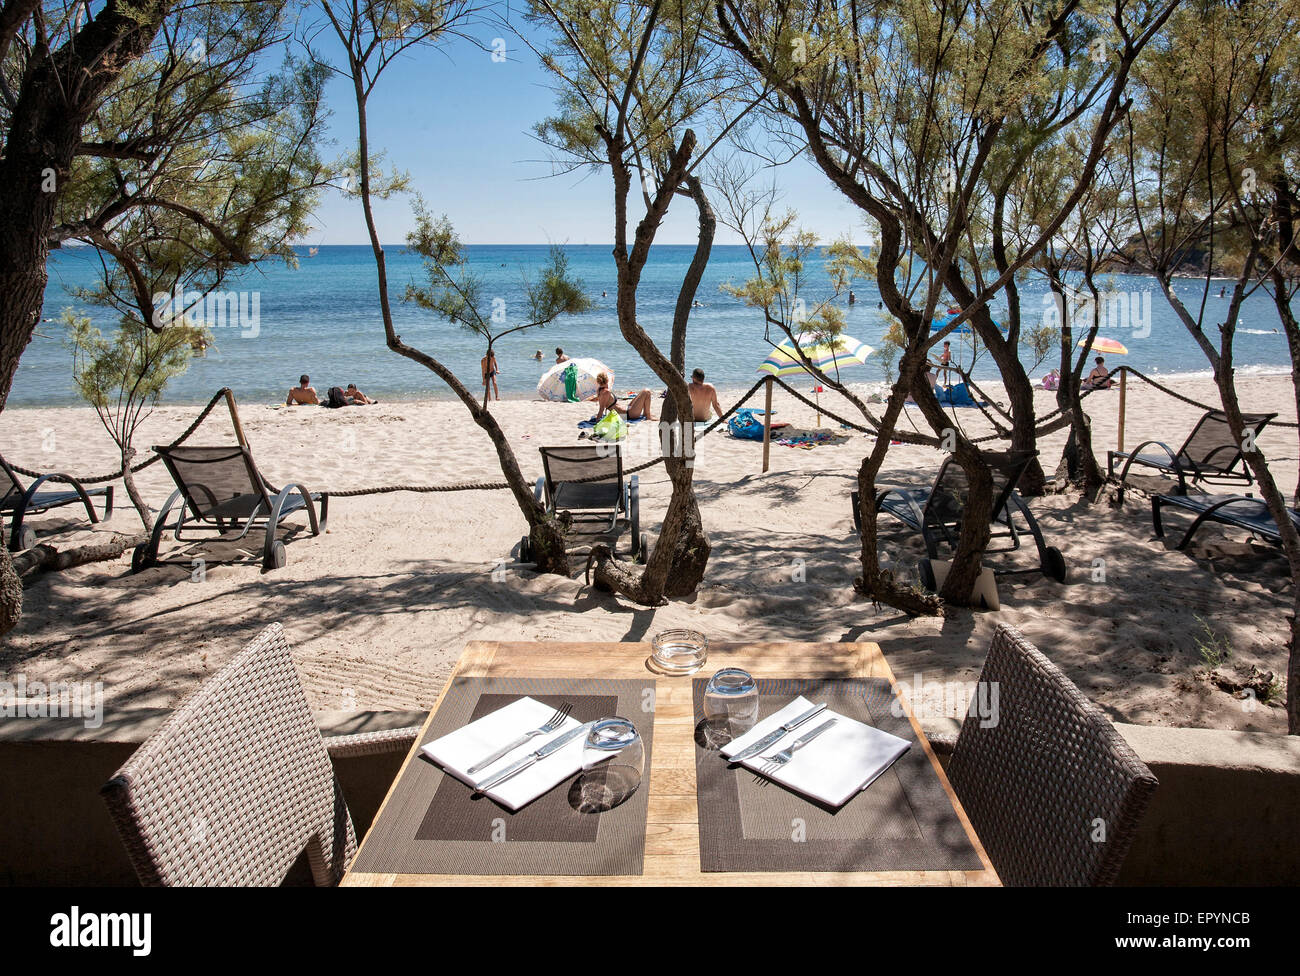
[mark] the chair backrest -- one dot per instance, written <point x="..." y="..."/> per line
<point x="951" y="488"/>
<point x="1211" y="447"/>
<point x="603" y="462"/>
<point x="1052" y="790"/>
<point x="13" y="488"/>
<point x="236" y="784"/>
<point x="210" y="477"/>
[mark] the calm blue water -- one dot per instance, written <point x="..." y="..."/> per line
<point x="322" y="318"/>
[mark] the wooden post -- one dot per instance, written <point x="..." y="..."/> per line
<point x="234" y="418"/>
<point x="817" y="393"/>
<point x="767" y="422"/>
<point x="1123" y="387"/>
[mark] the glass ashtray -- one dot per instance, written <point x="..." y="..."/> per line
<point x="679" y="652"/>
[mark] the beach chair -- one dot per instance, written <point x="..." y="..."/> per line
<point x="219" y="491"/>
<point x="1238" y="511"/>
<point x="936" y="512"/>
<point x="1054" y="793"/>
<point x="1210" y="454"/>
<point x="238" y="782"/>
<point x="20" y="502"/>
<point x="564" y="488"/>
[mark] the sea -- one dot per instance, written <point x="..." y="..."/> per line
<point x="322" y="318"/>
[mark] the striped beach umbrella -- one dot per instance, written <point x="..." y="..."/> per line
<point x="828" y="356"/>
<point x="1102" y="344"/>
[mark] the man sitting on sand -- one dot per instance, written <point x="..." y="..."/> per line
<point x="356" y="397"/>
<point x="606" y="401"/>
<point x="303" y="394"/>
<point x="703" y="396"/>
<point x="1099" y="378"/>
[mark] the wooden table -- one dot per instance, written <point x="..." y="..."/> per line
<point x="672" y="834"/>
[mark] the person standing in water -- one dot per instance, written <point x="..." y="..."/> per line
<point x="560" y="357"/>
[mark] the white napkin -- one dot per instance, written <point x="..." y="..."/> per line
<point x="833" y="768"/>
<point x="457" y="751"/>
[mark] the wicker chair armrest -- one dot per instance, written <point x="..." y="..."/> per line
<point x="943" y="743"/>
<point x="371" y="743"/>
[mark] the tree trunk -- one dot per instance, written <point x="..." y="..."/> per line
<point x="128" y="479"/>
<point x="11" y="592"/>
<point x="60" y="92"/>
<point x="43" y="558"/>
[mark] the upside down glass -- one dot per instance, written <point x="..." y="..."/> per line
<point x="679" y="651"/>
<point x="731" y="696"/>
<point x="613" y="761"/>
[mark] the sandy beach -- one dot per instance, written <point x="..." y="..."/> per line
<point x="380" y="607"/>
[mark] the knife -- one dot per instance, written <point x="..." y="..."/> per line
<point x="537" y="754"/>
<point x="776" y="735"/>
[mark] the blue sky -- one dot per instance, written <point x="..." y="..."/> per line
<point x="460" y="125"/>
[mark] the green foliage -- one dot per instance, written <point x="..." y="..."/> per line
<point x="456" y="294"/>
<point x="121" y="374"/>
<point x="201" y="157"/>
<point x="1213" y="649"/>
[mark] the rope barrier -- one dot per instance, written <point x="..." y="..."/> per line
<point x="1045" y="426"/>
<point x="97" y="479"/>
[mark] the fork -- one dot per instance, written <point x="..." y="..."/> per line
<point x="551" y="724"/>
<point x="775" y="761"/>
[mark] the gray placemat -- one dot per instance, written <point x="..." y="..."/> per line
<point x="904" y="821"/>
<point x="433" y="824"/>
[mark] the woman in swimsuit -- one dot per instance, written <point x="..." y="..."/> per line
<point x="606" y="401"/>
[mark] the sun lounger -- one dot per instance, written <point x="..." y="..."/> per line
<point x="23" y="501"/>
<point x="564" y="488"/>
<point x="221" y="491"/>
<point x="1238" y="511"/>
<point x="936" y="512"/>
<point x="1210" y="454"/>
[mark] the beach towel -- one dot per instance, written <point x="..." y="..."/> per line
<point x="956" y="396"/>
<point x="591" y="423"/>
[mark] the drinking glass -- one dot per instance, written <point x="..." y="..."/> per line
<point x="613" y="761"/>
<point x="679" y="651"/>
<point x="731" y="702"/>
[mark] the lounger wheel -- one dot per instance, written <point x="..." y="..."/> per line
<point x="927" y="576"/>
<point x="277" y="557"/>
<point x="1054" y="565"/>
<point x="140" y="560"/>
<point x="26" y="539"/>
<point x="855" y="497"/>
<point x="640" y="548"/>
<point x="539" y="489"/>
<point x="526" y="550"/>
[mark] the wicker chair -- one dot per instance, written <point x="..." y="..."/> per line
<point x="1042" y="783"/>
<point x="237" y="782"/>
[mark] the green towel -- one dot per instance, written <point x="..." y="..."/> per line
<point x="571" y="383"/>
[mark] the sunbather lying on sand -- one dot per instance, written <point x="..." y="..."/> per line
<point x="356" y="397"/>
